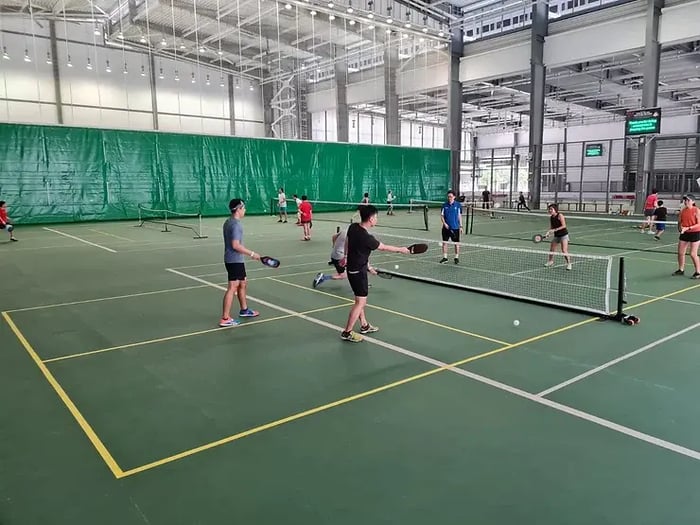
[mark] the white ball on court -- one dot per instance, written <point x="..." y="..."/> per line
<point x="396" y="267"/>
<point x="516" y="323"/>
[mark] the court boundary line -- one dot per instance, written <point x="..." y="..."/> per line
<point x="395" y="312"/>
<point x="440" y="368"/>
<point x="109" y="298"/>
<point x="185" y="335"/>
<point x="119" y="473"/>
<point x="67" y="401"/>
<point x="617" y="360"/>
<point x="107" y="234"/>
<point x="80" y="239"/>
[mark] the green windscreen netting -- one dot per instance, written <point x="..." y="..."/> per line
<point x="59" y="174"/>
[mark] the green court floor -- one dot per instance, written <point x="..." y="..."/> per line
<point x="124" y="403"/>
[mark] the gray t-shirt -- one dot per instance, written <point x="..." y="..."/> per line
<point x="233" y="229"/>
<point x="338" y="251"/>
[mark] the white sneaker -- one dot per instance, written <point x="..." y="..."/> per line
<point x="549" y="263"/>
<point x="568" y="266"/>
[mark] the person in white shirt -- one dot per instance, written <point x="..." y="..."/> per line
<point x="282" y="205"/>
<point x="389" y="200"/>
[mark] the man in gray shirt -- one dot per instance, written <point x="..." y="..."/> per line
<point x="234" y="260"/>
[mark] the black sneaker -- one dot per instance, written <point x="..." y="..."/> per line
<point x="456" y="260"/>
<point x="443" y="260"/>
<point x="696" y="275"/>
<point x="679" y="272"/>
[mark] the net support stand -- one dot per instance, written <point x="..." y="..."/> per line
<point x="620" y="315"/>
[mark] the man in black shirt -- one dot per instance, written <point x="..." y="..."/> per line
<point x="359" y="244"/>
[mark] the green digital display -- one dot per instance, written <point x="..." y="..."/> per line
<point x="594" y="150"/>
<point x="643" y="121"/>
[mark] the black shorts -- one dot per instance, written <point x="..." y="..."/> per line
<point x="359" y="283"/>
<point x="338" y="267"/>
<point x="449" y="234"/>
<point x="690" y="236"/>
<point x="236" y="271"/>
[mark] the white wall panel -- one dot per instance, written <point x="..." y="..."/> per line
<point x="680" y="23"/>
<point x="26" y="80"/>
<point x="29" y="112"/>
<point x="496" y="63"/>
<point x="589" y="42"/>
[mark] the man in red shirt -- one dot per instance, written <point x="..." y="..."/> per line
<point x="5" y="222"/>
<point x="306" y="215"/>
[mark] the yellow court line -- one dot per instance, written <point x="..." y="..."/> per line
<point x="92" y="436"/>
<point x="401" y="314"/>
<point x="361" y="395"/>
<point x="189" y="334"/>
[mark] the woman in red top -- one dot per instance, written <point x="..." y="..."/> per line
<point x="689" y="226"/>
<point x="5" y="222"/>
<point x="306" y="215"/>
<point x="650" y="205"/>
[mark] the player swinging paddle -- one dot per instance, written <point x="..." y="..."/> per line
<point x="557" y="227"/>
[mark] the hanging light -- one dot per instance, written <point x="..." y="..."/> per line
<point x="371" y="27"/>
<point x="177" y="76"/>
<point x="194" y="80"/>
<point x="26" y="56"/>
<point x="313" y="13"/>
<point x="48" y="58"/>
<point x="221" y="81"/>
<point x="142" y="39"/>
<point x="89" y="65"/>
<point x="126" y="69"/>
<point x="160" y="74"/>
<point x="331" y="17"/>
<point x="425" y="29"/>
<point x="4" y="53"/>
<point x="208" y="82"/>
<point x="69" y="63"/>
<point x="330" y="4"/>
<point x="120" y="35"/>
<point x="97" y="30"/>
<point x="143" y="71"/>
<point x="251" y="87"/>
<point x="108" y="69"/>
<point x="352" y="22"/>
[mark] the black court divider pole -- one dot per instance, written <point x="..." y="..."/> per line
<point x="621" y="302"/>
<point x="621" y="289"/>
<point x="470" y="214"/>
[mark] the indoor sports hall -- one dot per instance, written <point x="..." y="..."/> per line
<point x="533" y="364"/>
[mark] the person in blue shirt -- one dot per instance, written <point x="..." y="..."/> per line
<point x="451" y="216"/>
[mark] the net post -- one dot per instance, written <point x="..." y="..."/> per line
<point x="200" y="233"/>
<point x="425" y="217"/>
<point x="471" y="221"/>
<point x="621" y="290"/>
<point x="410" y="206"/>
<point x="165" y="221"/>
<point x="138" y="207"/>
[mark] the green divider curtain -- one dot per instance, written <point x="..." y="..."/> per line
<point x="64" y="174"/>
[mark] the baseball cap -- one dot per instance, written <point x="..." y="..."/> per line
<point x="689" y="196"/>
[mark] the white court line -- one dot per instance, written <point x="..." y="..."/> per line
<point x="101" y="299"/>
<point x="111" y="235"/>
<point x="652" y="440"/>
<point x="617" y="360"/>
<point x="694" y="303"/>
<point x="314" y="254"/>
<point x="81" y="240"/>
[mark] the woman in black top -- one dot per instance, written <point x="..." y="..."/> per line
<point x="557" y="227"/>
